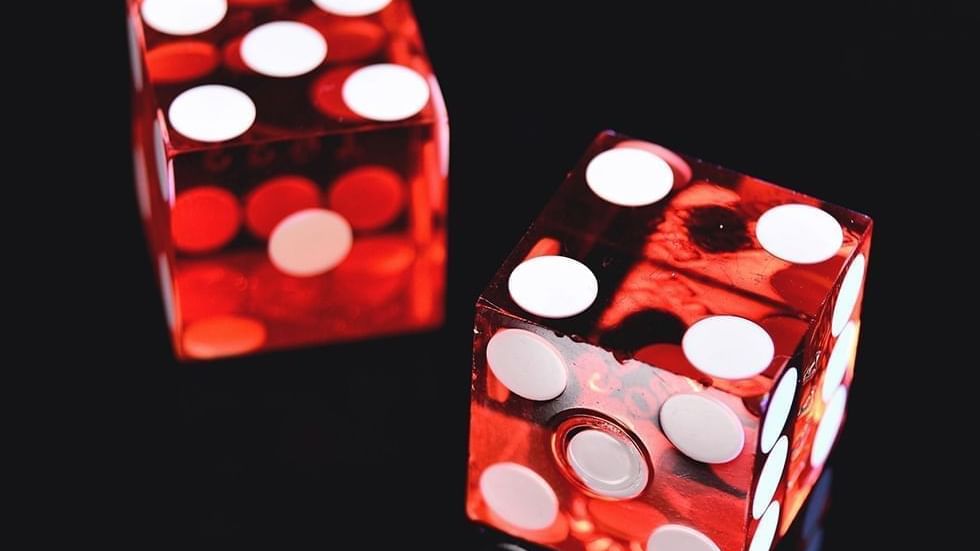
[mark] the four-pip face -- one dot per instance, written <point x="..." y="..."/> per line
<point x="663" y="361"/>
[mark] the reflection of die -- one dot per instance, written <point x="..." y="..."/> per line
<point x="291" y="161"/>
<point x="662" y="363"/>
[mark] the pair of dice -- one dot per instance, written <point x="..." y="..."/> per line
<point x="661" y="364"/>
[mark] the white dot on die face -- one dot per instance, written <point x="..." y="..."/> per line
<point x="629" y="177"/>
<point x="183" y="17"/>
<point x="283" y="49"/>
<point x="519" y="496"/>
<point x="674" y="537"/>
<point x="828" y="428"/>
<point x="702" y="428"/>
<point x="385" y="92"/>
<point x="527" y="364"/>
<point x="728" y="347"/>
<point x="778" y="410"/>
<point x="840" y="357"/>
<point x="352" y="8"/>
<point x="847" y="298"/>
<point x="607" y="465"/>
<point x="167" y="289"/>
<point x="212" y="113"/>
<point x="799" y="233"/>
<point x="553" y="286"/>
<point x="765" y="531"/>
<point x="772" y="473"/>
<point x="682" y="170"/>
<point x="310" y="242"/>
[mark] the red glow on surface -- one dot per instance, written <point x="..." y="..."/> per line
<point x="209" y="289"/>
<point x="379" y="256"/>
<point x="421" y="210"/>
<point x="805" y="286"/>
<point x="376" y="270"/>
<point x="369" y="197"/>
<point x="181" y="61"/>
<point x="276" y="199"/>
<point x="350" y="39"/>
<point x="204" y="219"/>
<point x="496" y="390"/>
<point x="223" y="336"/>
<point x="786" y="333"/>
<point x="435" y="166"/>
<point x="557" y="532"/>
<point x="625" y="519"/>
<point x="581" y="527"/>
<point x="371" y="291"/>
<point x="326" y="94"/>
<point x="231" y="54"/>
<point x="546" y="246"/>
<point x="670" y="357"/>
<point x="428" y="281"/>
<point x="280" y="297"/>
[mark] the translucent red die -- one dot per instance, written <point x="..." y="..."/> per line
<point x="663" y="361"/>
<point x="291" y="160"/>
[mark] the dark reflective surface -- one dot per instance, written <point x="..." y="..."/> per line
<point x="366" y="442"/>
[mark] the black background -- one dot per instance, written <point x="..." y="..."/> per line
<point x="861" y="104"/>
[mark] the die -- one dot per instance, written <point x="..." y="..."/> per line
<point x="663" y="361"/>
<point x="291" y="165"/>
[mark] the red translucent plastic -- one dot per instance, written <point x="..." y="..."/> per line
<point x="211" y="208"/>
<point x="660" y="268"/>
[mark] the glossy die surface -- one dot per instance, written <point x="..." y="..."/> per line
<point x="291" y="162"/>
<point x="662" y="363"/>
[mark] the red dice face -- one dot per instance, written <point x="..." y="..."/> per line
<point x="291" y="161"/>
<point x="662" y="363"/>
